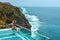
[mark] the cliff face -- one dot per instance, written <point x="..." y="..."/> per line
<point x="9" y="12"/>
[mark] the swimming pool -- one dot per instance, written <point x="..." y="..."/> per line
<point x="22" y="34"/>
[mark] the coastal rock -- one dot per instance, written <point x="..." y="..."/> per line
<point x="9" y="12"/>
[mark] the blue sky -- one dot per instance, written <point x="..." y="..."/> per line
<point x="33" y="2"/>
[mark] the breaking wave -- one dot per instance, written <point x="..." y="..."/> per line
<point x="23" y="10"/>
<point x="33" y="20"/>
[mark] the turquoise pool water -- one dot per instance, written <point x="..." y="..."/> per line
<point x="22" y="34"/>
<point x="13" y="35"/>
<point x="8" y="35"/>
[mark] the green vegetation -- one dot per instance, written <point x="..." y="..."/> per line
<point x="9" y="12"/>
<point x="4" y="26"/>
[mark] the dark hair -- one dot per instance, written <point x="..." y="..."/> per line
<point x="9" y="21"/>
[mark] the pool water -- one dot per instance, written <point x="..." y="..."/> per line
<point x="8" y="35"/>
<point x="13" y="35"/>
<point x="22" y="34"/>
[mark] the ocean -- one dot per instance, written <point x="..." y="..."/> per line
<point x="44" y="20"/>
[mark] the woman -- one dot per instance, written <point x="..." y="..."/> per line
<point x="12" y="25"/>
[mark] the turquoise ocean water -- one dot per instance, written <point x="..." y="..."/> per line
<point x="44" y="20"/>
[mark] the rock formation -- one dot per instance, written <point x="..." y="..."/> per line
<point x="9" y="12"/>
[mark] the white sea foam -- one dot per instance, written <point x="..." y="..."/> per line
<point x="23" y="10"/>
<point x="34" y="18"/>
<point x="34" y="21"/>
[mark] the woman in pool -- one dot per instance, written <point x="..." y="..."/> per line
<point x="12" y="25"/>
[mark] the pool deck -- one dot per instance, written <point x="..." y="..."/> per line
<point x="5" y="29"/>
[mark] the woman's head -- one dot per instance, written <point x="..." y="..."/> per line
<point x="13" y="21"/>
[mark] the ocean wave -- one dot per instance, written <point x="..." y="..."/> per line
<point x="33" y="20"/>
<point x="23" y="10"/>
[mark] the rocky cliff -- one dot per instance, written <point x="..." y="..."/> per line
<point x="9" y="12"/>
